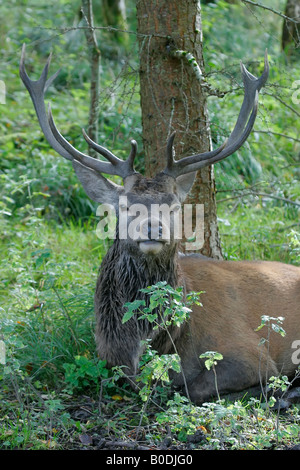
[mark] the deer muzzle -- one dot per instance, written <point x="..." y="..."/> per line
<point x="154" y="233"/>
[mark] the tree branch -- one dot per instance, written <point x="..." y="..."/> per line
<point x="94" y="55"/>
<point x="259" y="194"/>
<point x="278" y="134"/>
<point x="276" y="12"/>
<point x="283" y="102"/>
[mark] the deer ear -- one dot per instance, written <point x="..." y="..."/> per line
<point x="97" y="187"/>
<point x="184" y="184"/>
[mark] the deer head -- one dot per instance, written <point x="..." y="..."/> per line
<point x="170" y="186"/>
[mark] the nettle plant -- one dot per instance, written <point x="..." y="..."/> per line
<point x="275" y="384"/>
<point x="166" y="306"/>
<point x="163" y="306"/>
<point x="294" y="244"/>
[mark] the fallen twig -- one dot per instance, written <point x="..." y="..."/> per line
<point x="127" y="445"/>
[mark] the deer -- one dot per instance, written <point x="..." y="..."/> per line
<point x="235" y="293"/>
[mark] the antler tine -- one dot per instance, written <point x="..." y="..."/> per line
<point x="86" y="160"/>
<point x="133" y="152"/>
<point x="170" y="150"/>
<point x="176" y="168"/>
<point x="102" y="150"/>
<point x="209" y="158"/>
<point x="131" y="157"/>
<point x="126" y="164"/>
<point x="240" y="133"/>
<point x="37" y="90"/>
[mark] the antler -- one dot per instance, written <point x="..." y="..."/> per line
<point x="240" y="133"/>
<point x="37" y="90"/>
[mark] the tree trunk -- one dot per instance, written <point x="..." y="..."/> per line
<point x="172" y="97"/>
<point x="291" y="29"/>
<point x="94" y="57"/>
<point x="114" y="12"/>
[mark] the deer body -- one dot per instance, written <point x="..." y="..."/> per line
<point x="236" y="294"/>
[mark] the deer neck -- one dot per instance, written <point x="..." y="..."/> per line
<point x="123" y="274"/>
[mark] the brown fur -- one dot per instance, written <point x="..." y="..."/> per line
<point x="236" y="295"/>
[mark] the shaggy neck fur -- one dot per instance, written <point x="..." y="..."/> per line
<point x="122" y="275"/>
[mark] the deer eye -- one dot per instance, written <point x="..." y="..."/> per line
<point x="124" y="207"/>
<point x="175" y="208"/>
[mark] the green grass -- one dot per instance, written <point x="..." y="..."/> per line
<point x="253" y="231"/>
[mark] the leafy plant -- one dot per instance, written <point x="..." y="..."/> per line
<point x="154" y="370"/>
<point x="183" y="418"/>
<point x="167" y="306"/>
<point x="212" y="358"/>
<point x="164" y="306"/>
<point x="272" y="323"/>
<point x="84" y="373"/>
<point x="295" y="246"/>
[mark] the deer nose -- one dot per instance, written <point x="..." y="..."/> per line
<point x="152" y="237"/>
<point x="155" y="231"/>
<point x="151" y="229"/>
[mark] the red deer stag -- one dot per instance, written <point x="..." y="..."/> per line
<point x="236" y="294"/>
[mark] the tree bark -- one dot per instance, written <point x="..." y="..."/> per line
<point x="291" y="30"/>
<point x="172" y="97"/>
<point x="94" y="57"/>
<point x="114" y="12"/>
